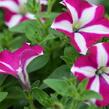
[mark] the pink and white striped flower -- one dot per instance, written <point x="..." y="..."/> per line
<point x="83" y="23"/>
<point x="15" y="63"/>
<point x="15" y="12"/>
<point x="95" y="67"/>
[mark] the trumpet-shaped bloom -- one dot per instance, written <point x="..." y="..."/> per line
<point x="83" y="22"/>
<point x="95" y="67"/>
<point x="15" y="12"/>
<point x="15" y="63"/>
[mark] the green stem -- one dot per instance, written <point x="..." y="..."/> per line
<point x="30" y="100"/>
<point x="31" y="105"/>
<point x="50" y="5"/>
<point x="74" y="105"/>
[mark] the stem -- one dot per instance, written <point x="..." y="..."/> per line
<point x="50" y="5"/>
<point x="74" y="105"/>
<point x="30" y="100"/>
<point x="31" y="105"/>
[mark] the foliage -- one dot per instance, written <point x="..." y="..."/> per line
<point x="53" y="85"/>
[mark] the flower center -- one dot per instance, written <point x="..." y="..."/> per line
<point x="102" y="70"/>
<point x="76" y="26"/>
<point x="22" y="9"/>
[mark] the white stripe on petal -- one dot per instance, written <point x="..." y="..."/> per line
<point x="102" y="56"/>
<point x="7" y="65"/>
<point x="21" y="71"/>
<point x="15" y="19"/>
<point x="11" y="5"/>
<point x="87" y="15"/>
<point x="30" y="16"/>
<point x="80" y="41"/>
<point x="73" y="12"/>
<point x="106" y="77"/>
<point x="2" y="71"/>
<point x="21" y="75"/>
<point x="63" y="25"/>
<point x="97" y="29"/>
<point x="87" y="71"/>
<point x="95" y="86"/>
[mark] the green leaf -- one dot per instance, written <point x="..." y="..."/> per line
<point x="89" y="94"/>
<point x="23" y="27"/>
<point x="38" y="63"/>
<point x="2" y="79"/>
<point x="15" y="93"/>
<point x="60" y="72"/>
<point x="41" y="97"/>
<point x="47" y="15"/>
<point x="82" y="106"/>
<point x="26" y="108"/>
<point x="82" y="85"/>
<point x="17" y="42"/>
<point x="3" y="95"/>
<point x="62" y="87"/>
<point x="93" y="107"/>
<point x="70" y="55"/>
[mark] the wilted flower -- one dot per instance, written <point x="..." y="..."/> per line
<point x="83" y="22"/>
<point x="95" y="67"/>
<point x="15" y="63"/>
<point x="15" y="12"/>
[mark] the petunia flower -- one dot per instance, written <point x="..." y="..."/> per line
<point x="15" y="12"/>
<point x="95" y="67"/>
<point x="83" y="23"/>
<point x="15" y="63"/>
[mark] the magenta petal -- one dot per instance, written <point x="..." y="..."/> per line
<point x="26" y="52"/>
<point x="98" y="15"/>
<point x="8" y="14"/>
<point x="82" y="41"/>
<point x="104" y="91"/>
<point x="72" y="3"/>
<point x="15" y="63"/>
<point x="9" y="58"/>
<point x="91" y="38"/>
<point x="63" y="23"/>
<point x="8" y="63"/>
<point x="84" y="5"/>
<point x="83" y="68"/>
<point x="28" y="55"/>
<point x="98" y="54"/>
<point x="100" y="27"/>
<point x="84" y="61"/>
<point x="79" y="5"/>
<point x="5" y="69"/>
